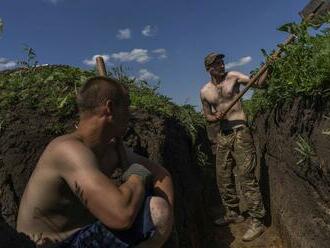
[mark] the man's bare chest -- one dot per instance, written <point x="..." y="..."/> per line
<point x="221" y="93"/>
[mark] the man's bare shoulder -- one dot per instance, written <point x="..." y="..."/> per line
<point x="231" y="74"/>
<point x="237" y="75"/>
<point x="205" y="89"/>
<point x="61" y="143"/>
<point x="65" y="149"/>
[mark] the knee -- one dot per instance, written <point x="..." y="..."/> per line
<point x="162" y="216"/>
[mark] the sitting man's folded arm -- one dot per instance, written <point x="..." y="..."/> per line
<point x="114" y="207"/>
<point x="162" y="183"/>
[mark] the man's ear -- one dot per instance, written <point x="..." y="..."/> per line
<point x="211" y="70"/>
<point x="108" y="107"/>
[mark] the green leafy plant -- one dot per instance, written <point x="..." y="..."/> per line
<point x="49" y="89"/>
<point x="31" y="57"/>
<point x="201" y="158"/>
<point x="302" y="71"/>
<point x="304" y="150"/>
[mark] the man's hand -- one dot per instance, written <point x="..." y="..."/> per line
<point x="215" y="117"/>
<point x="142" y="172"/>
<point x="219" y="115"/>
<point x="261" y="81"/>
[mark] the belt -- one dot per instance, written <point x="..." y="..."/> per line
<point x="232" y="130"/>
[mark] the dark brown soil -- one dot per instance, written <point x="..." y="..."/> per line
<point x="297" y="195"/>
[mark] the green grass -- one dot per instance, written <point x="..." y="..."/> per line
<point x="302" y="71"/>
<point x="46" y="89"/>
<point x="52" y="90"/>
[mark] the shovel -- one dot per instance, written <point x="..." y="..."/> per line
<point x="311" y="13"/>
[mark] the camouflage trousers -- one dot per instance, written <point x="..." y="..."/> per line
<point x="238" y="148"/>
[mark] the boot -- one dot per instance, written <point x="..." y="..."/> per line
<point x="231" y="217"/>
<point x="255" y="230"/>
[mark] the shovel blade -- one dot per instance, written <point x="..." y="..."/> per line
<point x="314" y="10"/>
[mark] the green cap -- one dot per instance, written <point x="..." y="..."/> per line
<point x="210" y="58"/>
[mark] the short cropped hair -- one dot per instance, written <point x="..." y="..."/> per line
<point x="97" y="91"/>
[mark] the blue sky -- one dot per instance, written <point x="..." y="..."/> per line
<point x="154" y="39"/>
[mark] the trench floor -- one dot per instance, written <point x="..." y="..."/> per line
<point x="230" y="236"/>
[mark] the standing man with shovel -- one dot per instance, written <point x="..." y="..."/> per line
<point x="234" y="143"/>
<point x="221" y="103"/>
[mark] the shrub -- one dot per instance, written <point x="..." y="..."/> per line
<point x="303" y="70"/>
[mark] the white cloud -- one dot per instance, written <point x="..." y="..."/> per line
<point x="149" y="30"/>
<point x="92" y="61"/>
<point x="53" y="1"/>
<point x="161" y="52"/>
<point x="124" y="34"/>
<point x="146" y="75"/>
<point x="138" y="55"/>
<point x="240" y="62"/>
<point x="6" y="64"/>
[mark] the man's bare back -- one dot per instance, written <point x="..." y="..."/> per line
<point x="71" y="184"/>
<point x="49" y="207"/>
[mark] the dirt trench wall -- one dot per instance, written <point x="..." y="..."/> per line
<point x="164" y="140"/>
<point x="297" y="194"/>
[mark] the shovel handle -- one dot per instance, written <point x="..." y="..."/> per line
<point x="318" y="5"/>
<point x="260" y="72"/>
<point x="100" y="66"/>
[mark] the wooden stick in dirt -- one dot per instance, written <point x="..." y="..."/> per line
<point x="100" y="66"/>
<point x="315" y="8"/>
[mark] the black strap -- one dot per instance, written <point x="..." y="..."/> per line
<point x="227" y="125"/>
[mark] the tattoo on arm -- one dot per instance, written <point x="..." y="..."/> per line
<point x="80" y="193"/>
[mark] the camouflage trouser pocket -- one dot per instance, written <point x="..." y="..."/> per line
<point x="244" y="140"/>
<point x="245" y="157"/>
<point x="224" y="170"/>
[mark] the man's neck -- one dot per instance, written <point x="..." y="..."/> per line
<point x="93" y="136"/>
<point x="216" y="80"/>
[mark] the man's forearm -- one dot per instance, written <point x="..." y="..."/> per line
<point x="132" y="192"/>
<point x="162" y="182"/>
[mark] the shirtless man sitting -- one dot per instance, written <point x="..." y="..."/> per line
<point x="70" y="200"/>
<point x="234" y="144"/>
